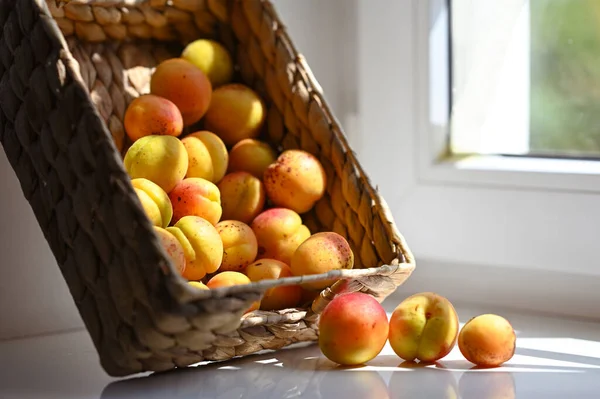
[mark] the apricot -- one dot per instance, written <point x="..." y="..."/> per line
<point x="236" y="112"/>
<point x="423" y="327"/>
<point x="279" y="232"/>
<point x="149" y="114"/>
<point x="198" y="284"/>
<point x="160" y="159"/>
<point x="252" y="156"/>
<point x="296" y="180"/>
<point x="207" y="154"/>
<point x="276" y="298"/>
<point x="321" y="253"/>
<point x="155" y="201"/>
<point x="487" y="340"/>
<point x="201" y="244"/>
<point x="184" y="84"/>
<point x="353" y="329"/>
<point x="242" y="196"/>
<point x="212" y="58"/>
<point x="229" y="278"/>
<point x="172" y="247"/>
<point x="194" y="196"/>
<point x="239" y="245"/>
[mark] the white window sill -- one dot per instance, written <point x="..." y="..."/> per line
<point x="529" y="173"/>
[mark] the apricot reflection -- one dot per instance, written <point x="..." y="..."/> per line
<point x="418" y="380"/>
<point x="487" y="385"/>
<point x="290" y="373"/>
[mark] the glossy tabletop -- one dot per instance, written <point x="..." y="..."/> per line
<point x="555" y="358"/>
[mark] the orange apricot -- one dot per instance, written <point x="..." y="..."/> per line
<point x="276" y="298"/>
<point x="181" y="82"/>
<point x="296" y="180"/>
<point x="236" y="112"/>
<point x="252" y="156"/>
<point x="150" y="114"/>
<point x="229" y="278"/>
<point x="239" y="245"/>
<point x="242" y="196"/>
<point x="279" y="232"/>
<point x="195" y="196"/>
<point x="487" y="340"/>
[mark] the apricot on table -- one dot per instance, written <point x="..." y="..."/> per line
<point x="487" y="340"/>
<point x="150" y="114"/>
<point x="160" y="159"/>
<point x="423" y="327"/>
<point x="242" y="196"/>
<point x="276" y="298"/>
<point x="201" y="244"/>
<point x="236" y="112"/>
<point x="353" y="329"/>
<point x="155" y="201"/>
<point x="212" y="58"/>
<point x="252" y="156"/>
<point x="207" y="154"/>
<point x="183" y="83"/>
<point x="279" y="232"/>
<point x="296" y="180"/>
<point x="239" y="245"/>
<point x="320" y="253"/>
<point x="229" y="278"/>
<point x="194" y="196"/>
<point x="172" y="247"/>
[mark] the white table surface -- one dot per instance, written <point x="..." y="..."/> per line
<point x="555" y="358"/>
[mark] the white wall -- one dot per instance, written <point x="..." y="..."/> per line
<point x="33" y="296"/>
<point x="34" y="299"/>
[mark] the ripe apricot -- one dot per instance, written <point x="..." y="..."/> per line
<point x="212" y="58"/>
<point x="155" y="201"/>
<point x="172" y="247"/>
<point x="296" y="180"/>
<point x="279" y="232"/>
<point x="276" y="298"/>
<point x="487" y="340"/>
<point x="242" y="196"/>
<point x="236" y="112"/>
<point x="198" y="284"/>
<point x="207" y="154"/>
<point x="423" y="327"/>
<point x="229" y="278"/>
<point x="321" y="253"/>
<point x="181" y="82"/>
<point x="353" y="329"/>
<point x="239" y="245"/>
<point x="160" y="159"/>
<point x="197" y="197"/>
<point x="201" y="244"/>
<point x="149" y="114"/>
<point x="252" y="156"/>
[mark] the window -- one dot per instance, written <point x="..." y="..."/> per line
<point x="525" y="78"/>
<point x="477" y="122"/>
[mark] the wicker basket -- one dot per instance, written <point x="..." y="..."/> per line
<point x="69" y="68"/>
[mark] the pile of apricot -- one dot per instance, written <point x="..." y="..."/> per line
<point x="226" y="205"/>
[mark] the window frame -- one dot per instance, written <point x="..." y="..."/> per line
<point x="531" y="220"/>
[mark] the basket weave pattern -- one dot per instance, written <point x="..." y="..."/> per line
<point x="68" y="71"/>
